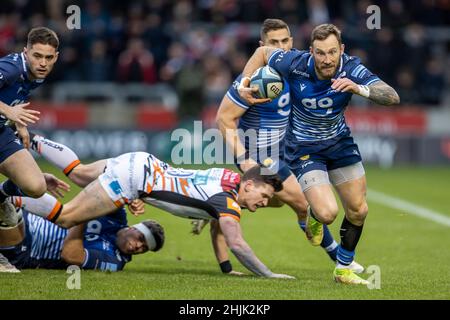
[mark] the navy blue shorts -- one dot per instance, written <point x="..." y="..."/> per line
<point x="9" y="143"/>
<point x="326" y="155"/>
<point x="278" y="163"/>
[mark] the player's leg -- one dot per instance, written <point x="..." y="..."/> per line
<point x="350" y="183"/>
<point x="25" y="178"/>
<point x="92" y="202"/>
<point x="323" y="205"/>
<point x="293" y="196"/>
<point x="24" y="172"/>
<point x="10" y="237"/>
<point x="67" y="161"/>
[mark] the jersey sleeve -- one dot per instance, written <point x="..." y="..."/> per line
<point x="359" y="74"/>
<point x="285" y="61"/>
<point x="226" y="205"/>
<point x="104" y="260"/>
<point x="233" y="94"/>
<point x="9" y="73"/>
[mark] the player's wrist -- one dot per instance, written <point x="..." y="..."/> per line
<point x="226" y="266"/>
<point x="363" y="91"/>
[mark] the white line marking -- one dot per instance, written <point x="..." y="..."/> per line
<point x="409" y="207"/>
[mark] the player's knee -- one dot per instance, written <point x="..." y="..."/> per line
<point x="327" y="214"/>
<point x="66" y="223"/>
<point x="359" y="211"/>
<point x="35" y="189"/>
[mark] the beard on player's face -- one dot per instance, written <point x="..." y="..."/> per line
<point x="327" y="70"/>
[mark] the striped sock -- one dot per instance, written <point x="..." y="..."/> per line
<point x="57" y="154"/>
<point x="344" y="257"/>
<point x="47" y="206"/>
<point x="328" y="243"/>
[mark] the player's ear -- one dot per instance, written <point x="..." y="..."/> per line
<point x="248" y="185"/>
<point x="310" y="49"/>
<point x="56" y="56"/>
<point x="25" y="50"/>
<point x="342" y="48"/>
<point x="261" y="43"/>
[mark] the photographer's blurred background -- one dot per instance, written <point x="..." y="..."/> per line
<point x="136" y="70"/>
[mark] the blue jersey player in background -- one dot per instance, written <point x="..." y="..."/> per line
<point x="20" y="73"/>
<point x="319" y="147"/>
<point x="106" y="243"/>
<point x="255" y="134"/>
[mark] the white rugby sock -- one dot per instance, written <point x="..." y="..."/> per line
<point x="46" y="206"/>
<point x="56" y="153"/>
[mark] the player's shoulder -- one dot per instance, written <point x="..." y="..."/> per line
<point x="225" y="203"/>
<point x="11" y="65"/>
<point x="293" y="54"/>
<point x="350" y="62"/>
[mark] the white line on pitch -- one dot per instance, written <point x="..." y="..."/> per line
<point x="409" y="207"/>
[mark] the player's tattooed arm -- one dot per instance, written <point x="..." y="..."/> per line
<point x="382" y="93"/>
<point x="231" y="229"/>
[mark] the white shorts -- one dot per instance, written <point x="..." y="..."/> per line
<point x="124" y="176"/>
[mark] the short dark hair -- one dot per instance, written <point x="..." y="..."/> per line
<point x="260" y="174"/>
<point x="272" y="24"/>
<point x="158" y="233"/>
<point x="43" y="35"/>
<point x="323" y="31"/>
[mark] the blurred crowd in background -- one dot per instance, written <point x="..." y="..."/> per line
<point x="200" y="46"/>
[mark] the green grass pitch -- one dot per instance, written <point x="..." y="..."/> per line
<point x="412" y="253"/>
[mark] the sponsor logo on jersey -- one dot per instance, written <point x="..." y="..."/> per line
<point x="304" y="158"/>
<point x="301" y="73"/>
<point x="268" y="162"/>
<point x="302" y="86"/>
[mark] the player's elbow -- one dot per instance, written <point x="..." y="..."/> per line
<point x="236" y="245"/>
<point x="72" y="255"/>
<point x="396" y="98"/>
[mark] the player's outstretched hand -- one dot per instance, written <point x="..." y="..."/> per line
<point x="55" y="186"/>
<point x="281" y="276"/>
<point x="20" y="115"/>
<point x="137" y="207"/>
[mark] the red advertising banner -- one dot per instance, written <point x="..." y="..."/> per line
<point x="387" y="120"/>
<point x="65" y="115"/>
<point x="154" y="117"/>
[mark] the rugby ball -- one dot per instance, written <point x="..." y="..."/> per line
<point x="268" y="81"/>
